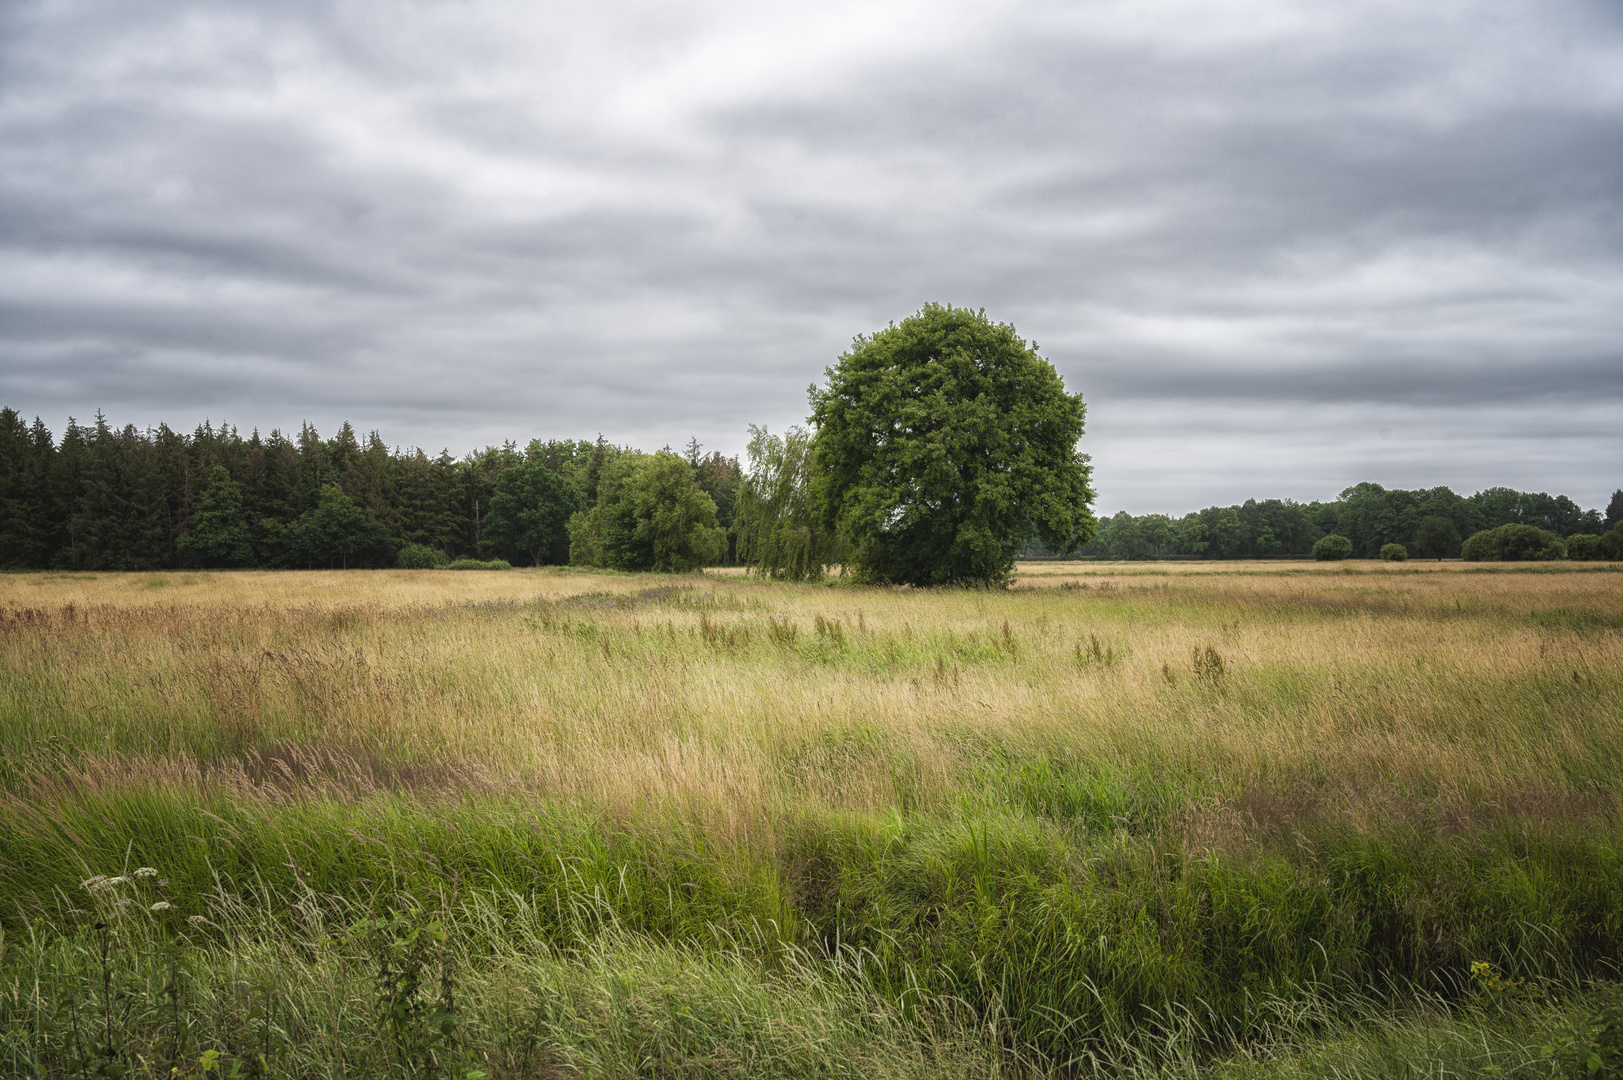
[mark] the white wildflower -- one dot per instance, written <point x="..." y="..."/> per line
<point x="95" y="884"/>
<point x="145" y="871"/>
<point x="120" y="880"/>
<point x="126" y="902"/>
<point x="161" y="905"/>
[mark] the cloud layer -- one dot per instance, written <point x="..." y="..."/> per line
<point x="1280" y="247"/>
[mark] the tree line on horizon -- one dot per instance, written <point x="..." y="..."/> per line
<point x="1370" y="516"/>
<point x="106" y="498"/>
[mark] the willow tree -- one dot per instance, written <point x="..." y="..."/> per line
<point x="779" y="534"/>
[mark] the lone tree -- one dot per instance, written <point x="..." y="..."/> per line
<point x="944" y="444"/>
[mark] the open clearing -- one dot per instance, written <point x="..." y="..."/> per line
<point x="1196" y="817"/>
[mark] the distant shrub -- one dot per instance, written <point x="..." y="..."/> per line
<point x="1510" y="543"/>
<point x="1611" y="543"/>
<point x="420" y="557"/>
<point x="1394" y="553"/>
<point x="1583" y="546"/>
<point x="476" y="564"/>
<point x="1332" y="547"/>
<point x="1437" y="538"/>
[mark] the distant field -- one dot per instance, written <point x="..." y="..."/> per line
<point x="1203" y="818"/>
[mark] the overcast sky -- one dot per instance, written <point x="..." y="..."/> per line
<point x="1279" y="247"/>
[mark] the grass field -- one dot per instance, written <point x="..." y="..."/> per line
<point x="1195" y="819"/>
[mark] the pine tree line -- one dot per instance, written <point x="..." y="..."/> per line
<point x="105" y="498"/>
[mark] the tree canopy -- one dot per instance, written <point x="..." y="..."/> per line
<point x="779" y="534"/>
<point x="102" y="497"/>
<point x="651" y="514"/>
<point x="1438" y="538"/>
<point x="1513" y="542"/>
<point x="944" y="444"/>
<point x="219" y="535"/>
<point x="530" y="508"/>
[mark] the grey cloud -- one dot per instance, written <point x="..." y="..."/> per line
<point x="464" y="223"/>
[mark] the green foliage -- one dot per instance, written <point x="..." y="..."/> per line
<point x="1394" y="553"/>
<point x="1331" y="548"/>
<point x="103" y="498"/>
<point x="1437" y="538"/>
<point x="651" y="514"/>
<point x="274" y="985"/>
<point x="338" y="534"/>
<point x="219" y="534"/>
<point x="1592" y="1048"/>
<point x="1611" y="542"/>
<point x="1583" y="546"/>
<point x="1051" y="904"/>
<point x="25" y="502"/>
<point x="1511" y="543"/>
<point x="421" y="557"/>
<point x="479" y="564"/>
<point x="1367" y="514"/>
<point x="418" y="1011"/>
<point x="779" y="535"/>
<point x="720" y="478"/>
<point x="944" y="445"/>
<point x="530" y="509"/>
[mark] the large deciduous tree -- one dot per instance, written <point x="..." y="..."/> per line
<point x="1437" y="538"/>
<point x="944" y="444"/>
<point x="650" y="514"/>
<point x="530" y="509"/>
<point x="338" y="533"/>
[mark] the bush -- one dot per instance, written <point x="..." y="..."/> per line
<point x="1510" y="543"/>
<point x="1394" y="553"/>
<point x="476" y="564"/>
<point x="1332" y="547"/>
<point x="1584" y="546"/>
<point x="1611" y="543"/>
<point x="420" y="557"/>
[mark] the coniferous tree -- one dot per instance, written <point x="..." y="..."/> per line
<point x="219" y="534"/>
<point x="25" y="518"/>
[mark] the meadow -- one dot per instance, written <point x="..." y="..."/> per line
<point x="1187" y="819"/>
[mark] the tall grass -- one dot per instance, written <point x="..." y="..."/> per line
<point x="1115" y="818"/>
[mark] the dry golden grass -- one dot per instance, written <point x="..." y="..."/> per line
<point x="1354" y="692"/>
